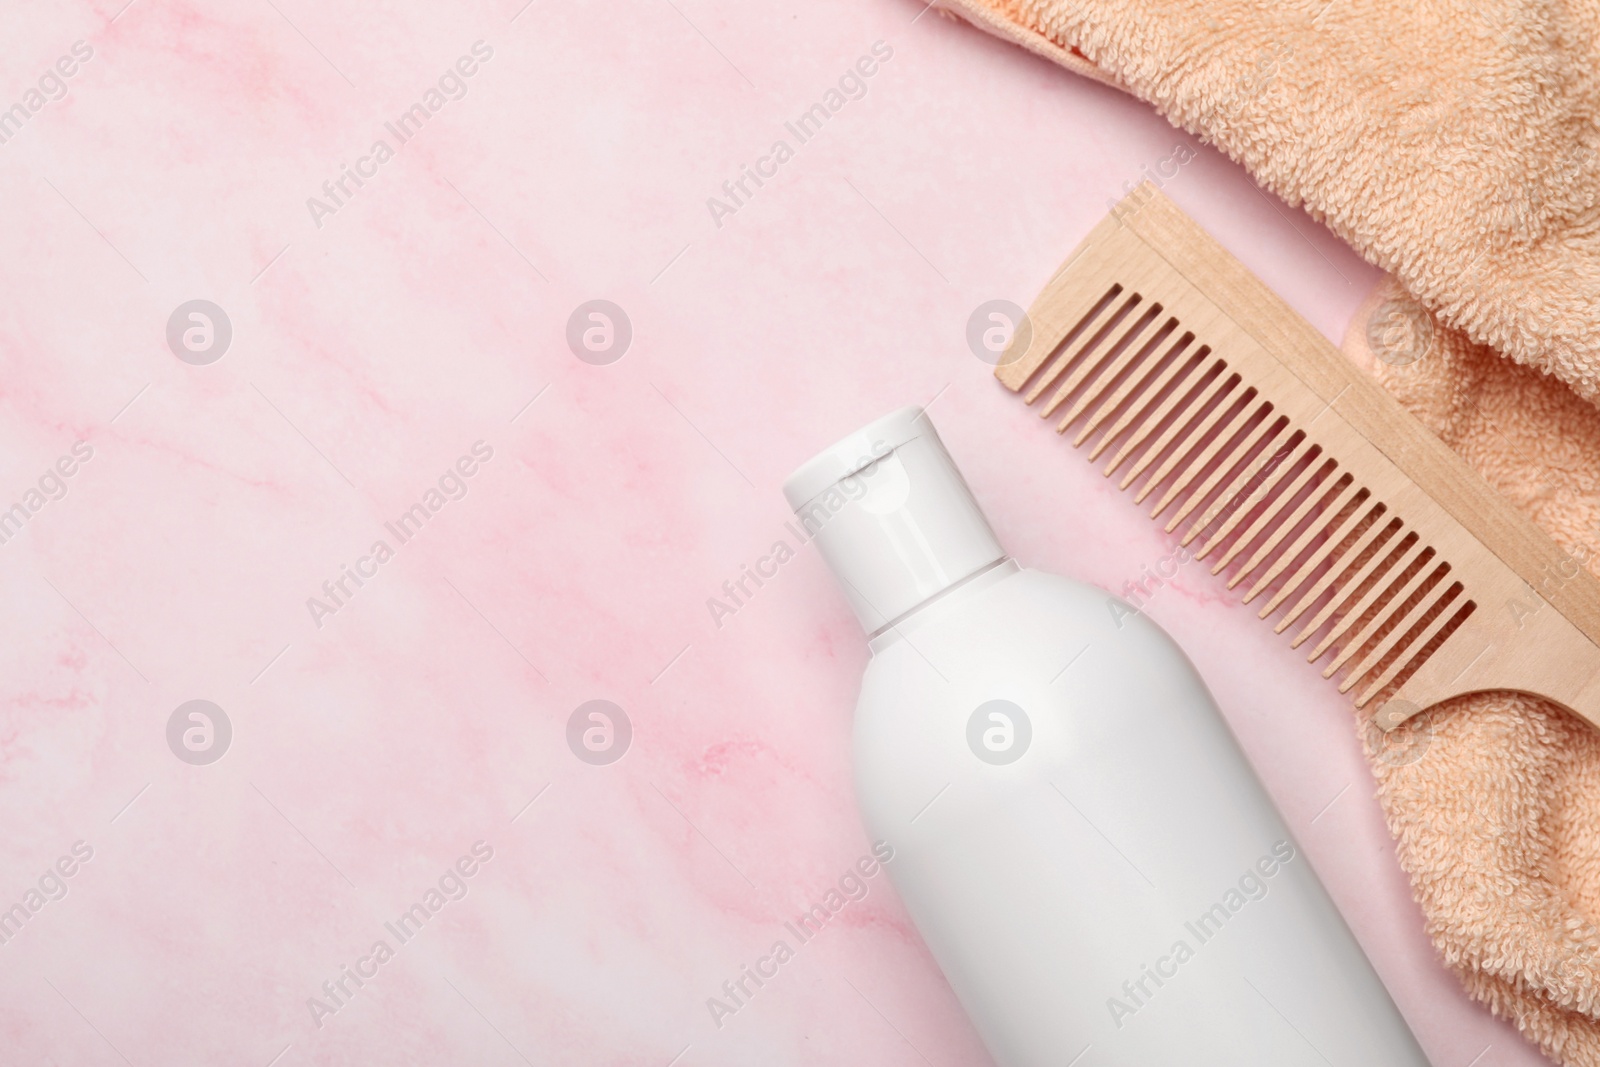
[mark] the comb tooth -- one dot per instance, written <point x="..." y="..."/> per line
<point x="1315" y="473"/>
<point x="1220" y="460"/>
<point x="1052" y="328"/>
<point x="1102" y="381"/>
<point x="1093" y="360"/>
<point x="1178" y="461"/>
<point x="1177" y="380"/>
<point x="1266" y="460"/>
<point x="1177" y="428"/>
<point x="1188" y="461"/>
<point x="1383" y="547"/>
<point x="1281" y="491"/>
<point x="1392" y="641"/>
<point x="1059" y="315"/>
<point x="1406" y="658"/>
<point x="1335" y="536"/>
<point x="1319" y="490"/>
<point x="1412" y="584"/>
<point x="1303" y="486"/>
<point x="1343" y="493"/>
<point x="1410" y="548"/>
<point x="1135" y="384"/>
<point x="1183" y="392"/>
<point x="1101" y="320"/>
<point x="1342" y="564"/>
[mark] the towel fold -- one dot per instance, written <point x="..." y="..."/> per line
<point x="1457" y="148"/>
<point x="1494" y="798"/>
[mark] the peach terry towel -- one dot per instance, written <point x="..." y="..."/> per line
<point x="1457" y="147"/>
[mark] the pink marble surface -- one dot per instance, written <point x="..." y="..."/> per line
<point x="375" y="341"/>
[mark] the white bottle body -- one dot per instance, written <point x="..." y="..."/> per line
<point x="1124" y="892"/>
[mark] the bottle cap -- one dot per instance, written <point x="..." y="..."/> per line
<point x="890" y="512"/>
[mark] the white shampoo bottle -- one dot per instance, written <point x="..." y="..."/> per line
<point x="1076" y="833"/>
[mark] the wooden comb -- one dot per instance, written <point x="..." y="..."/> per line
<point x="1300" y="475"/>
